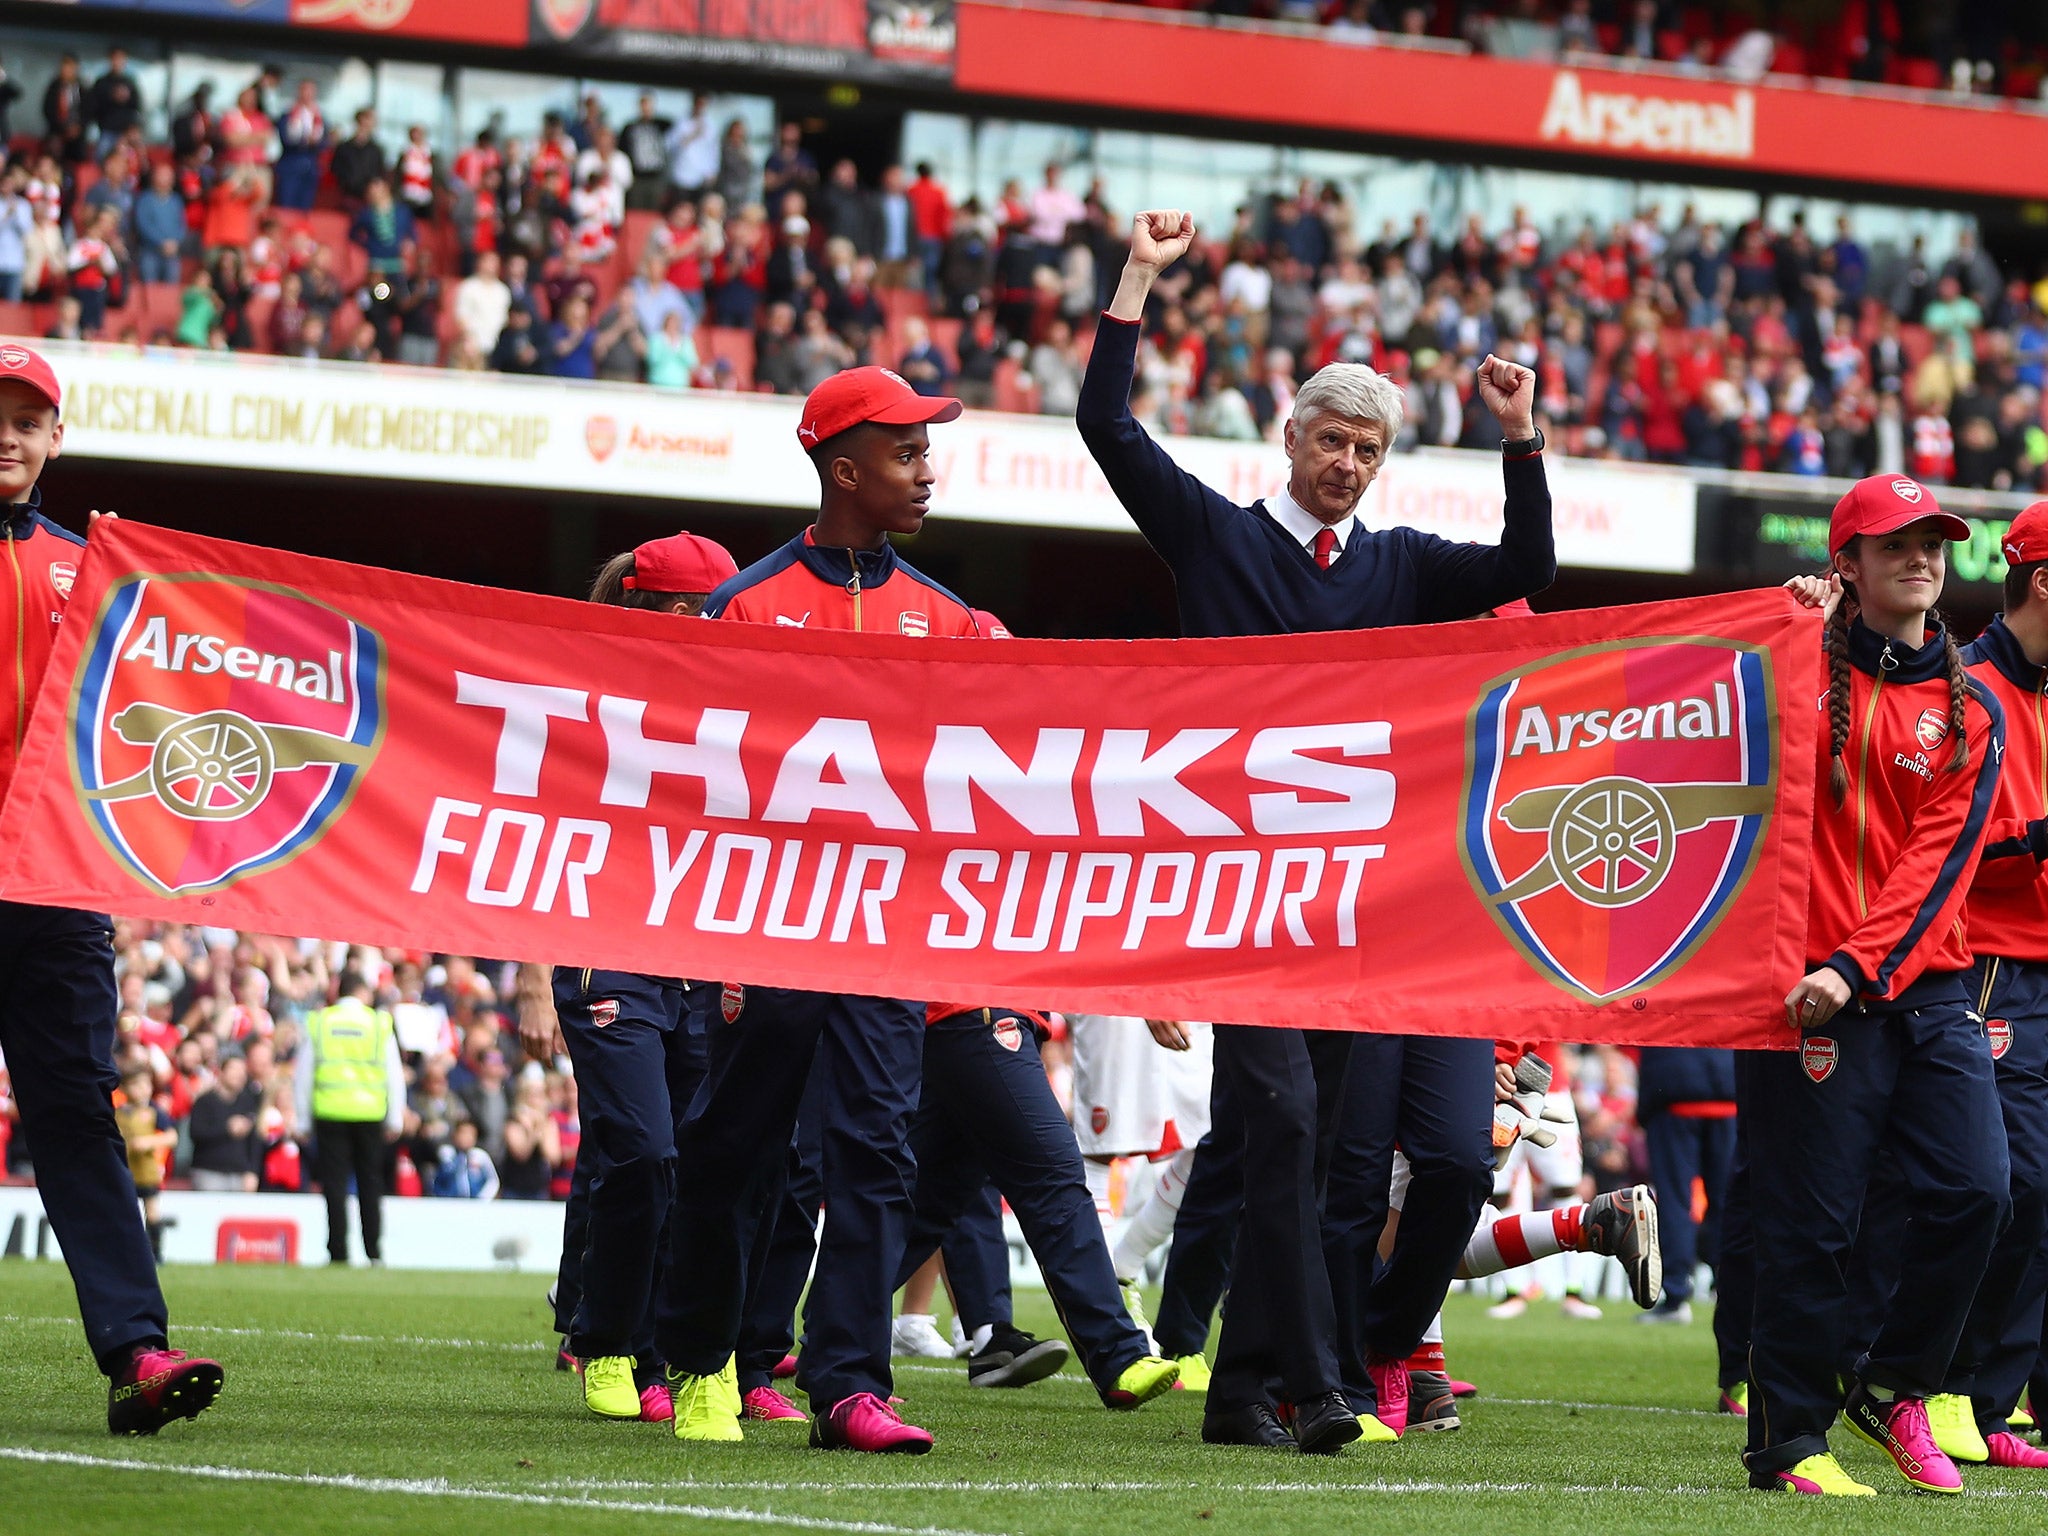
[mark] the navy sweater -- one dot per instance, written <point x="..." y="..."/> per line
<point x="1238" y="572"/>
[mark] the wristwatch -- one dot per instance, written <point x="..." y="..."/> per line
<point x="1524" y="447"/>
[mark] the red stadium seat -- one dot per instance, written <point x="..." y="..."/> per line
<point x="258" y="313"/>
<point x="946" y="337"/>
<point x="21" y="320"/>
<point x="1014" y="389"/>
<point x="732" y="343"/>
<point x="160" y="304"/>
<point x="1918" y="342"/>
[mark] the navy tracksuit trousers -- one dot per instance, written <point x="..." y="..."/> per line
<point x="1433" y="1097"/>
<point x="1282" y="1321"/>
<point x="1918" y="1081"/>
<point x="784" y="1248"/>
<point x="57" y="1011"/>
<point x="637" y="1043"/>
<point x="1735" y="1264"/>
<point x="2002" y="1336"/>
<point x="988" y="1116"/>
<point x="1684" y="1148"/>
<point x="734" y="1150"/>
<point x="976" y="1253"/>
<point x="1204" y="1233"/>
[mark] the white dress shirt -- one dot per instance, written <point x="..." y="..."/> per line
<point x="1303" y="525"/>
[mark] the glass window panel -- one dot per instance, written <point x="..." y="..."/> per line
<point x="410" y="93"/>
<point x="512" y="103"/>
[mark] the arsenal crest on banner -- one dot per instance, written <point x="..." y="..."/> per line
<point x="1615" y="798"/>
<point x="220" y="726"/>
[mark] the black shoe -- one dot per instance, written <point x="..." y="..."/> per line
<point x="1013" y="1358"/>
<point x="1257" y="1425"/>
<point x="1431" y="1404"/>
<point x="1325" y="1424"/>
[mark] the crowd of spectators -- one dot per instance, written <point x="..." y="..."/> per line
<point x="212" y="1033"/>
<point x="661" y="252"/>
<point x="1967" y="47"/>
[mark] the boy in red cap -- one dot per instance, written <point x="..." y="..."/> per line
<point x="864" y="430"/>
<point x="1891" y="1056"/>
<point x="57" y="1000"/>
<point x="637" y="1044"/>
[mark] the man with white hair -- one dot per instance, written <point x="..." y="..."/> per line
<point x="1299" y="561"/>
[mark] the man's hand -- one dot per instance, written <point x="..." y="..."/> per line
<point x="540" y="1031"/>
<point x="1817" y="592"/>
<point x="1509" y="391"/>
<point x="1159" y="238"/>
<point x="1170" y="1033"/>
<point x="1503" y="1082"/>
<point x="94" y="518"/>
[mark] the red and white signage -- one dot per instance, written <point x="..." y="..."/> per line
<point x="1593" y="822"/>
<point x="1293" y="79"/>
<point x="405" y="423"/>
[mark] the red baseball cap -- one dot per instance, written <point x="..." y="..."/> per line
<point x="2026" y="538"/>
<point x="1885" y="504"/>
<point x="682" y="562"/>
<point x="866" y="394"/>
<point x="34" y="370"/>
<point x="991" y="627"/>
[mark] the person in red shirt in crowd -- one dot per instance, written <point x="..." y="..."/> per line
<point x="931" y="211"/>
<point x="1892" y="1055"/>
<point x="95" y="263"/>
<point x="58" y="1001"/>
<point x="245" y="134"/>
<point x="865" y="433"/>
<point x="416" y="172"/>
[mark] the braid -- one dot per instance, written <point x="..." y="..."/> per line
<point x="1959" y="756"/>
<point x="1838" y="694"/>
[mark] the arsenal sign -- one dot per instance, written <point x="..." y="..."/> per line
<point x="1594" y="824"/>
<point x="220" y="726"/>
<point x="1615" y="802"/>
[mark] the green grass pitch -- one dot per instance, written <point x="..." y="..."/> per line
<point x="391" y="1401"/>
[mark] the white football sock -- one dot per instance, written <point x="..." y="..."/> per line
<point x="1153" y="1224"/>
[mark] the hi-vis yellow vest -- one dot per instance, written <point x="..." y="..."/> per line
<point x="349" y="1044"/>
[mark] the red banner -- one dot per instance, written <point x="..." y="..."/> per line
<point x="1655" y="123"/>
<point x="1591" y="826"/>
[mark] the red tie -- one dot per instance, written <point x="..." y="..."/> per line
<point x="1324" y="547"/>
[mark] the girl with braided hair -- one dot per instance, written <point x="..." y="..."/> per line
<point x="1891" y="1057"/>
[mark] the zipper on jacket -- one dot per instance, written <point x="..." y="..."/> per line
<point x="2041" y="733"/>
<point x="1886" y="663"/>
<point x="853" y="585"/>
<point x="20" y="640"/>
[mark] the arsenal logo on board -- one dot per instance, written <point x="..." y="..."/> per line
<point x="1615" y="799"/>
<point x="561" y="20"/>
<point x="220" y="726"/>
<point x="600" y="436"/>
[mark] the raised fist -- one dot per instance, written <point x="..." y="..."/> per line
<point x="1509" y="391"/>
<point x="1160" y="238"/>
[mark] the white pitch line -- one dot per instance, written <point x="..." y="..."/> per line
<point x="438" y="1488"/>
<point x="412" y="1340"/>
